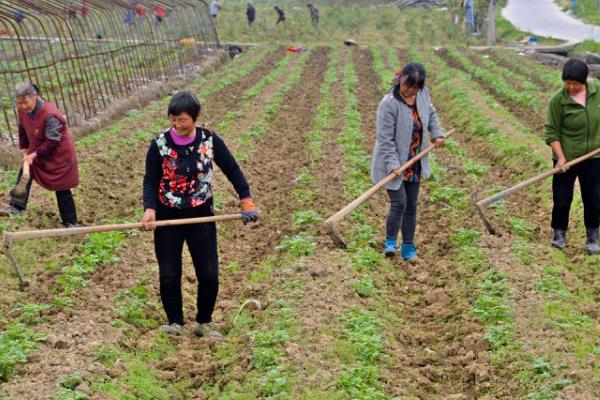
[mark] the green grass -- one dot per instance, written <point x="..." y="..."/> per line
<point x="367" y="259"/>
<point x="587" y="10"/>
<point x="364" y="287"/>
<point x="325" y="110"/>
<point x="495" y="81"/>
<point x="29" y="314"/>
<point x="136" y="306"/>
<point x="99" y="249"/>
<point x="360" y="379"/>
<point x="589" y="45"/>
<point x="303" y="219"/>
<point x="298" y="245"/>
<point x="142" y="380"/>
<point x="17" y="341"/>
<point x="356" y="159"/>
<point x="521" y="228"/>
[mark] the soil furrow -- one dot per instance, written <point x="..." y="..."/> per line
<point x="86" y="324"/>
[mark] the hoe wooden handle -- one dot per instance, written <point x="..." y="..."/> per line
<point x="335" y="218"/>
<point x="26" y="170"/>
<point x="518" y="187"/>
<point x="11" y="237"/>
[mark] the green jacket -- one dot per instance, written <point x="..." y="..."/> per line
<point x="577" y="128"/>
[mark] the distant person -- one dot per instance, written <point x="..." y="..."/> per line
<point x="72" y="11"/>
<point x="129" y="16"/>
<point x="250" y="14"/>
<point x="46" y="145"/>
<point x="85" y="9"/>
<point x="468" y="6"/>
<point x="140" y="10"/>
<point x="280" y="15"/>
<point x="234" y="51"/>
<point x="19" y="16"/>
<point x="159" y="14"/>
<point x="314" y="14"/>
<point x="406" y="123"/>
<point x="572" y="130"/>
<point x="215" y="7"/>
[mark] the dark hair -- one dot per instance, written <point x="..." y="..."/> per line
<point x="414" y="73"/>
<point x="575" y="70"/>
<point x="184" y="102"/>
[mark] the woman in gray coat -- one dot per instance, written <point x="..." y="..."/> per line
<point x="406" y="122"/>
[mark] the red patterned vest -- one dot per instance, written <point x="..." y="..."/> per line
<point x="58" y="170"/>
<point x="187" y="171"/>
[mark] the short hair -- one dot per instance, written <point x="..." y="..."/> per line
<point x="575" y="70"/>
<point x="26" y="89"/>
<point x="184" y="102"/>
<point x="414" y="73"/>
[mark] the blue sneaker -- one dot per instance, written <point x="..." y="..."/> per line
<point x="390" y="248"/>
<point x="408" y="251"/>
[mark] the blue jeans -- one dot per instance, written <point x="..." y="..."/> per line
<point x="403" y="212"/>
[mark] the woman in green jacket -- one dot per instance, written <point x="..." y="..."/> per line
<point x="572" y="130"/>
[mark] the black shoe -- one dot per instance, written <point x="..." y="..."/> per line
<point x="559" y="239"/>
<point x="592" y="244"/>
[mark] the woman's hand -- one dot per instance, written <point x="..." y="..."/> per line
<point x="148" y="219"/>
<point x="561" y="164"/>
<point x="249" y="211"/>
<point x="29" y="158"/>
<point x="438" y="142"/>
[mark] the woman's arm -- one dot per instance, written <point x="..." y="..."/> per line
<point x="386" y="135"/>
<point x="560" y="156"/>
<point x="435" y="129"/>
<point x="553" y="131"/>
<point x="23" y="140"/>
<point x="553" y="124"/>
<point x="52" y="137"/>
<point x="152" y="176"/>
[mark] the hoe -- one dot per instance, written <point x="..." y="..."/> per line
<point x="11" y="237"/>
<point x="332" y="221"/>
<point x="484" y="203"/>
<point x="19" y="192"/>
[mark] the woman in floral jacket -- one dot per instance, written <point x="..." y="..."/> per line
<point x="178" y="184"/>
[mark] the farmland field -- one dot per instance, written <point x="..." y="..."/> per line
<point x="475" y="317"/>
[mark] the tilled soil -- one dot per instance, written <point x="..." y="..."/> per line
<point x="437" y="351"/>
<point x="75" y="333"/>
<point x="275" y="161"/>
<point x="432" y="351"/>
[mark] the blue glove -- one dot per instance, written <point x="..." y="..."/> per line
<point x="249" y="211"/>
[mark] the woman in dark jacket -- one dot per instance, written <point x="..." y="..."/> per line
<point x="406" y="121"/>
<point x="250" y="14"/>
<point x="280" y="15"/>
<point x="572" y="130"/>
<point x="178" y="184"/>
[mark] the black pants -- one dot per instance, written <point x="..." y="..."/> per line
<point x="201" y="241"/>
<point x="588" y="173"/>
<point x="64" y="198"/>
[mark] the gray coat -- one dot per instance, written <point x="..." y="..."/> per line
<point x="394" y="135"/>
